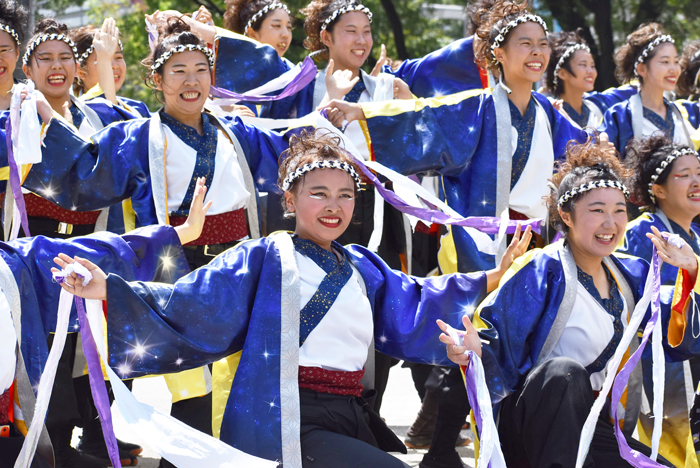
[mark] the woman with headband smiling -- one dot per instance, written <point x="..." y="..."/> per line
<point x="302" y="311"/>
<point x="546" y="362"/>
<point x="649" y="55"/>
<point x="13" y="16"/>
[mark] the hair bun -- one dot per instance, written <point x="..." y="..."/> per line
<point x="50" y="26"/>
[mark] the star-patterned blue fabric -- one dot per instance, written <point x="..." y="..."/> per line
<point x="76" y="115"/>
<point x="666" y="124"/>
<point x="614" y="307"/>
<point x="356" y="91"/>
<point x="580" y="119"/>
<point x="525" y="126"/>
<point x="338" y="272"/>
<point x="204" y="145"/>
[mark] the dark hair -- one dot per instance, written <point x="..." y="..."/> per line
<point x="644" y="157"/>
<point x="316" y="13"/>
<point x="627" y="55"/>
<point x="494" y="19"/>
<point x="558" y="44"/>
<point x="82" y="37"/>
<point x="49" y="26"/>
<point x="308" y="147"/>
<point x="477" y="12"/>
<point x="14" y="15"/>
<point x="585" y="162"/>
<point x="690" y="66"/>
<point x="174" y="33"/>
<point x="239" y="12"/>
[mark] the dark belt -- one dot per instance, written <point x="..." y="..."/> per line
<point x="46" y="226"/>
<point x="211" y="250"/>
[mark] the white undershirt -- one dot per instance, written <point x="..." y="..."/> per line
<point x="587" y="332"/>
<point x="227" y="190"/>
<point x="679" y="133"/>
<point x="341" y="339"/>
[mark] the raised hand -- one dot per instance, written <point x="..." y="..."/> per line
<point x="96" y="289"/>
<point x="203" y="16"/>
<point x="106" y="40"/>
<point x="380" y="62"/>
<point x="470" y="341"/>
<point x="338" y="82"/>
<point x="518" y="246"/>
<point x="683" y="258"/>
<point x="191" y="229"/>
<point x="401" y="89"/>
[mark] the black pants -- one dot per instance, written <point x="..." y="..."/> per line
<point x="540" y="425"/>
<point x="335" y="434"/>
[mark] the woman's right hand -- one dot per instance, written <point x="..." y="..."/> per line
<point x="338" y="82"/>
<point x="96" y="288"/>
<point x="470" y="341"/>
<point x="351" y="110"/>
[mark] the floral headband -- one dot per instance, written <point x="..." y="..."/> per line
<point x="568" y="53"/>
<point x="664" y="164"/>
<point x="346" y="9"/>
<point x="178" y="50"/>
<point x="263" y="12"/>
<point x="649" y="48"/>
<point x="291" y="178"/>
<point x="11" y="32"/>
<point x="91" y="49"/>
<point x="590" y="186"/>
<point x="48" y="37"/>
<point x="527" y="18"/>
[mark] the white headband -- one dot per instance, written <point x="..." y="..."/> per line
<point x="515" y="23"/>
<point x="568" y="53"/>
<point x="179" y="49"/>
<point x="289" y="180"/>
<point x="48" y="37"/>
<point x="664" y="164"/>
<point x="346" y="9"/>
<point x="650" y="47"/>
<point x="10" y="31"/>
<point x="263" y="12"/>
<point x="590" y="186"/>
<point x="91" y="49"/>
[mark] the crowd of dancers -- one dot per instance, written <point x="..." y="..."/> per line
<point x="440" y="190"/>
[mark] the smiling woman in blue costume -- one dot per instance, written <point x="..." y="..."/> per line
<point x="649" y="55"/>
<point x="495" y="150"/>
<point x="13" y="17"/>
<point x="545" y="361"/>
<point x="283" y="302"/>
<point x="666" y="181"/>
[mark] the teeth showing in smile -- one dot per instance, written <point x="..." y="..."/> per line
<point x="604" y="237"/>
<point x="330" y="220"/>
<point x="536" y="65"/>
<point x="57" y="79"/>
<point x="2" y="70"/>
<point x="191" y="95"/>
<point x="358" y="52"/>
<point x="282" y="45"/>
<point x="694" y="196"/>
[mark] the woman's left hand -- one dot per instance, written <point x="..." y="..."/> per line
<point x="192" y="228"/>
<point x="682" y="258"/>
<point x="401" y="89"/>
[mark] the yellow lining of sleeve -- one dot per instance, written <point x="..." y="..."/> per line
<point x="400" y="106"/>
<point x="92" y="93"/>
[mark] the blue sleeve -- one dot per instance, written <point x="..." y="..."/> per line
<point x="201" y="318"/>
<point x="445" y="71"/>
<point x="563" y="131"/>
<point x="608" y="98"/>
<point x="109" y="113"/>
<point x="618" y="126"/>
<point x="406" y="307"/>
<point x="693" y="109"/>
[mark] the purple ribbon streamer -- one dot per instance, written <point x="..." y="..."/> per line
<point x="15" y="179"/>
<point x="97" y="384"/>
<point x="632" y="456"/>
<point x="470" y="379"/>
<point x="299" y="82"/>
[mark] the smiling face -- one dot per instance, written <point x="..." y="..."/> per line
<point x="679" y="195"/>
<point x="52" y="67"/>
<point x="584" y="72"/>
<point x="89" y="73"/>
<point x="663" y="69"/>
<point x="525" y="54"/>
<point x="597" y="222"/>
<point x="9" y="54"/>
<point x="351" y="41"/>
<point x="275" y="30"/>
<point x="323" y="201"/>
<point x="185" y="83"/>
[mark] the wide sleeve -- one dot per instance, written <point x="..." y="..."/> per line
<point x="618" y="126"/>
<point x="515" y="319"/>
<point x="85" y="175"/>
<point x="636" y="242"/>
<point x="445" y="71"/>
<point x="430" y="135"/>
<point x="203" y="317"/>
<point x="262" y="148"/>
<point x="563" y="131"/>
<point x="608" y="98"/>
<point x="690" y="111"/>
<point x="406" y="307"/>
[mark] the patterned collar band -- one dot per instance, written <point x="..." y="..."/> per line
<point x="346" y="9"/>
<point x="291" y="178"/>
<point x="649" y="48"/>
<point x="48" y="37"/>
<point x="565" y="56"/>
<point x="91" y="49"/>
<point x="11" y="32"/>
<point x="590" y="186"/>
<point x="664" y="164"/>
<point x="527" y="18"/>
<point x="178" y="50"/>
<point x="272" y="6"/>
